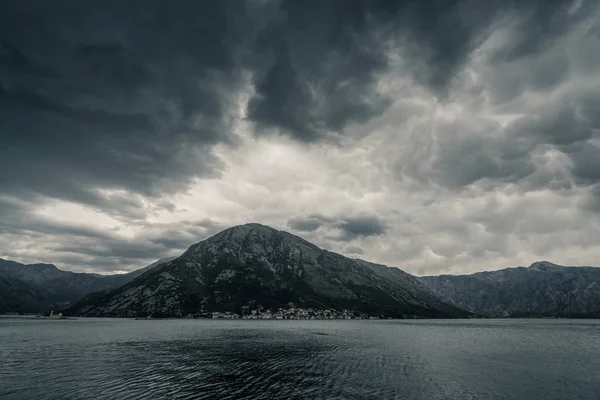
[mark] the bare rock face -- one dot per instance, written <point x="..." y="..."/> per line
<point x="541" y="290"/>
<point x="256" y="266"/>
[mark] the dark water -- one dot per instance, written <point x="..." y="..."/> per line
<point x="205" y="359"/>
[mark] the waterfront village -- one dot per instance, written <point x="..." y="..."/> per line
<point x="285" y="313"/>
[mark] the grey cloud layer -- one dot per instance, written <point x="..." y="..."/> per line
<point x="122" y="106"/>
<point x="91" y="90"/>
<point x="350" y="227"/>
<point x="550" y="60"/>
<point x="133" y="96"/>
<point x="86" y="247"/>
<point x="112" y="95"/>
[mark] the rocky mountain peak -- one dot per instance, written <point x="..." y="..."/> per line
<point x="44" y="267"/>
<point x="254" y="266"/>
<point x="253" y="238"/>
<point x="250" y="231"/>
<point x="542" y="289"/>
<point x="542" y="266"/>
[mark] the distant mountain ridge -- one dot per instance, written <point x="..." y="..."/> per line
<point x="255" y="266"/>
<point x="18" y="296"/>
<point x="543" y="289"/>
<point x="41" y="287"/>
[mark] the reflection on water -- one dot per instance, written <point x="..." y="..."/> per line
<point x="204" y="359"/>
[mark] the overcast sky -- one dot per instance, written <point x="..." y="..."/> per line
<point x="433" y="136"/>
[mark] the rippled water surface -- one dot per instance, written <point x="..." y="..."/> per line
<point x="205" y="359"/>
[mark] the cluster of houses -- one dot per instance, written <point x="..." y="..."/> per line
<point x="291" y="313"/>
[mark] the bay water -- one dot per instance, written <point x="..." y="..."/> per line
<point x="345" y="359"/>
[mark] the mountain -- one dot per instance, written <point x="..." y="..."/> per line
<point x="256" y="266"/>
<point x="543" y="289"/>
<point x="41" y="287"/>
<point x="18" y="296"/>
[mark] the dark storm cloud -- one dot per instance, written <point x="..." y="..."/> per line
<point x="311" y="222"/>
<point x="586" y="163"/>
<point x="591" y="201"/>
<point x="353" y="250"/>
<point x="113" y="95"/>
<point x="351" y="227"/>
<point x="537" y="25"/>
<point x="468" y="153"/>
<point x="304" y="225"/>
<point x="361" y="226"/>
<point x="549" y="47"/>
<point x="133" y="95"/>
<point x="324" y="58"/>
<point x="569" y="120"/>
<point x="465" y="156"/>
<point x="320" y="61"/>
